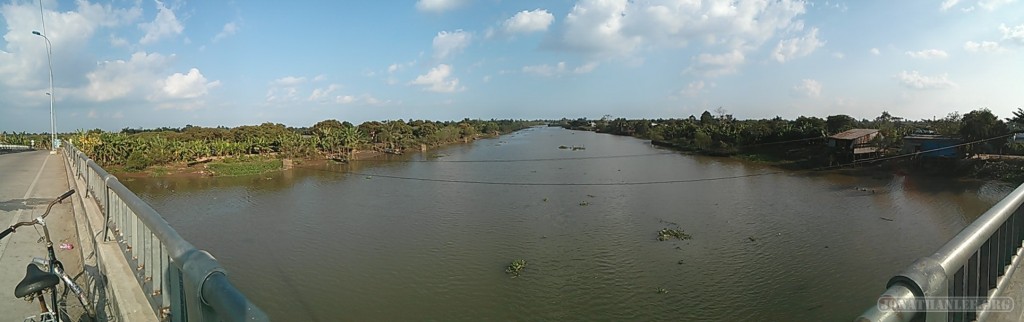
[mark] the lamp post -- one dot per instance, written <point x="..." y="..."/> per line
<point x="49" y="63"/>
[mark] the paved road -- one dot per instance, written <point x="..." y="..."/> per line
<point x="28" y="181"/>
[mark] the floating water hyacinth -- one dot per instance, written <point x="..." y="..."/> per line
<point x="668" y="233"/>
<point x="516" y="267"/>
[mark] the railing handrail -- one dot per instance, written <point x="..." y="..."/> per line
<point x="933" y="275"/>
<point x="958" y="250"/>
<point x="205" y="280"/>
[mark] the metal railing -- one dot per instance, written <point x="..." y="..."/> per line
<point x="14" y="147"/>
<point x="977" y="262"/>
<point x="181" y="282"/>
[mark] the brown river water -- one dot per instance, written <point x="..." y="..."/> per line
<point x="323" y="243"/>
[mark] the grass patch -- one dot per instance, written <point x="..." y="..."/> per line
<point x="760" y="157"/>
<point x="244" y="166"/>
<point x="160" y="171"/>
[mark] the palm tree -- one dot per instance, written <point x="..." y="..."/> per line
<point x="351" y="137"/>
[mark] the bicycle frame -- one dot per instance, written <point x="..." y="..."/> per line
<point x="54" y="265"/>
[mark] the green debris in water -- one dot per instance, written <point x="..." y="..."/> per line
<point x="668" y="233"/>
<point x="515" y="267"/>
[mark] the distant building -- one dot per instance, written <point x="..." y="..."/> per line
<point x="932" y="146"/>
<point x="1017" y="138"/>
<point x="854" y="144"/>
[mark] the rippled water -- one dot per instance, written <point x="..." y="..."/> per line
<point x="320" y="244"/>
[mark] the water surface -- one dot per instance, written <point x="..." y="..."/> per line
<point x="324" y="244"/>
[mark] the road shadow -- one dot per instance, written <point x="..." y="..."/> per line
<point x="22" y="204"/>
<point x="14" y="151"/>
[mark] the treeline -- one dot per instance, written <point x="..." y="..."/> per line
<point x="136" y="149"/>
<point x="34" y="140"/>
<point x="720" y="133"/>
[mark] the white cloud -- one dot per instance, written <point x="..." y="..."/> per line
<point x="365" y="99"/>
<point x="875" y="51"/>
<point x="142" y="78"/>
<point x="165" y="24"/>
<point x="397" y="67"/>
<point x="618" y="27"/>
<point x="558" y="69"/>
<point x="121" y="79"/>
<point x="984" y="46"/>
<point x="229" y="30"/>
<point x="23" y="56"/>
<point x="927" y="54"/>
<point x="948" y="4"/>
<point x="991" y="5"/>
<point x="717" y="65"/>
<point x="118" y="42"/>
<point x="345" y="99"/>
<point x="289" y="81"/>
<point x="437" y="80"/>
<point x="438" y="5"/>
<point x="915" y="80"/>
<point x="1013" y="34"/>
<point x="808" y="88"/>
<point x="447" y="44"/>
<point x="529" y="21"/>
<point x="596" y="27"/>
<point x="190" y="85"/>
<point x="838" y="55"/>
<point x="320" y="93"/>
<point x="693" y="89"/>
<point x="797" y="47"/>
<point x="285" y="89"/>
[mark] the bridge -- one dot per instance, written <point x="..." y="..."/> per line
<point x="133" y="265"/>
<point x="970" y="278"/>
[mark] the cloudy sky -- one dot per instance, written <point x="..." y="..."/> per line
<point x="149" y="63"/>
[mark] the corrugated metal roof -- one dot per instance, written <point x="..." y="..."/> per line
<point x="853" y="134"/>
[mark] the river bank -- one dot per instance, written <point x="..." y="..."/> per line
<point x="254" y="164"/>
<point x="813" y="157"/>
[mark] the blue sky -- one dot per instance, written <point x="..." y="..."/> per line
<point x="151" y="63"/>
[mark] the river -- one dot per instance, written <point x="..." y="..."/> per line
<point x="342" y="242"/>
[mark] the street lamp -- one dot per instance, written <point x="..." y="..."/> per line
<point x="49" y="63"/>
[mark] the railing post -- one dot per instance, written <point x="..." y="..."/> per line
<point x="106" y="210"/>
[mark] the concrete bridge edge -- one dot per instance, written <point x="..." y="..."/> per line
<point x="126" y="300"/>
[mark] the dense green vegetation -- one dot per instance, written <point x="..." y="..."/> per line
<point x="137" y="149"/>
<point x="774" y="139"/>
<point x="41" y="140"/>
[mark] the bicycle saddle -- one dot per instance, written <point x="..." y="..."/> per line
<point x="35" y="281"/>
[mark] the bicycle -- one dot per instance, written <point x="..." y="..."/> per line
<point x="38" y="281"/>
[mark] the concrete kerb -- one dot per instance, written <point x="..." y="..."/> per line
<point x="87" y="245"/>
<point x="127" y="299"/>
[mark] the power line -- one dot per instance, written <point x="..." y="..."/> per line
<point x="522" y="160"/>
<point x="500" y="183"/>
<point x="639" y="183"/>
